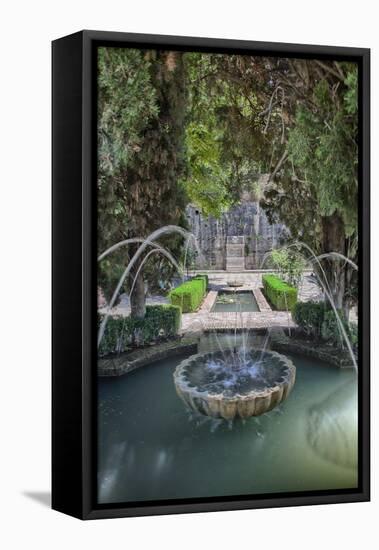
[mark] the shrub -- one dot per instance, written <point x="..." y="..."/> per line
<point x="353" y="334"/>
<point x="189" y="295"/>
<point x="279" y="293"/>
<point x="112" y="340"/>
<point x="204" y="278"/>
<point x="331" y="330"/>
<point x="309" y="316"/>
<point x="319" y="320"/>
<point x="164" y="317"/>
<point x="290" y="265"/>
<point x="160" y="322"/>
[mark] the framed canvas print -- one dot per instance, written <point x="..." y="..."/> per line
<point x="210" y="274"/>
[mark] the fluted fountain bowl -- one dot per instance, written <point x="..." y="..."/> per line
<point x="229" y="385"/>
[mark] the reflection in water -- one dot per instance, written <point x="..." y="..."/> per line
<point x="112" y="469"/>
<point x="151" y="447"/>
<point x="333" y="426"/>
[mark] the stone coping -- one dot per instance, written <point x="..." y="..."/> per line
<point x="127" y="362"/>
<point x="211" y="298"/>
<point x="263" y="304"/>
<point x="208" y="302"/>
<point x="192" y="272"/>
<point x="223" y="321"/>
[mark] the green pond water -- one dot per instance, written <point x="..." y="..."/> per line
<point x="235" y="301"/>
<point x="151" y="448"/>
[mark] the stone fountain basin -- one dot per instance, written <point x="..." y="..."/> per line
<point x="235" y="284"/>
<point x="229" y="405"/>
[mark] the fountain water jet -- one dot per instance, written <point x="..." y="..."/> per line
<point x="159" y="250"/>
<point x="168" y="229"/>
<point x="124" y="243"/>
<point x="325" y="286"/>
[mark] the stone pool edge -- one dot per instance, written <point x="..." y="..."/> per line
<point x="129" y="361"/>
<point x="284" y="344"/>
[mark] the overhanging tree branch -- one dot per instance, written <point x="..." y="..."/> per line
<point x="278" y="166"/>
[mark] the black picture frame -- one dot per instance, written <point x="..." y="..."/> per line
<point x="74" y="274"/>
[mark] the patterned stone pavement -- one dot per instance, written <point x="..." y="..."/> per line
<point x="196" y="322"/>
<point x="205" y="319"/>
<point x="308" y="289"/>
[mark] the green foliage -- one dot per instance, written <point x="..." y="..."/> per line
<point x="141" y="110"/>
<point x="206" y="184"/>
<point x="109" y="273"/>
<point x="309" y="316"/>
<point x="175" y="127"/>
<point x="315" y="191"/>
<point x="322" y="146"/>
<point x="127" y="103"/>
<point x="121" y="333"/>
<point x="331" y="330"/>
<point x="353" y="334"/>
<point x="217" y="137"/>
<point x="290" y="265"/>
<point x="279" y="293"/>
<point x="189" y="295"/>
<point x="318" y="320"/>
<point x="203" y="277"/>
<point x="351" y="95"/>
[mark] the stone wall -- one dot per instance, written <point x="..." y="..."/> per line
<point x="248" y="219"/>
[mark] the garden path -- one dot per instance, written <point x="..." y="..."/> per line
<point x="205" y="319"/>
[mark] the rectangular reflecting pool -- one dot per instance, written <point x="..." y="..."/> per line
<point x="235" y="301"/>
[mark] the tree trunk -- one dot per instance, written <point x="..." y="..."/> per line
<point x="138" y="299"/>
<point x="333" y="240"/>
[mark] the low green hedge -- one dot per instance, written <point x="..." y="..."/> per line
<point x="331" y="330"/>
<point x="279" y="293"/>
<point x="317" y="319"/>
<point x="309" y="316"/>
<point x="203" y="278"/>
<point x="189" y="295"/>
<point x="121" y="333"/>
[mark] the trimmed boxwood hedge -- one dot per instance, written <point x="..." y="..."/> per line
<point x="189" y="295"/>
<point x="204" y="279"/>
<point x="279" y="293"/>
<point x="310" y="317"/>
<point x="121" y="333"/>
<point x="317" y="319"/>
<point x="330" y="330"/>
<point x="202" y="276"/>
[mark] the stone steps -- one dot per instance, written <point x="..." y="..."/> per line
<point x="235" y="263"/>
<point x="235" y="253"/>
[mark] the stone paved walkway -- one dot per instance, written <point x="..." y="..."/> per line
<point x="205" y="319"/>
<point x="308" y="290"/>
<point x="198" y="322"/>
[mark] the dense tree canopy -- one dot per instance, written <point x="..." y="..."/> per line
<point x="141" y="157"/>
<point x="126" y="104"/>
<point x="179" y="127"/>
<point x="297" y="121"/>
